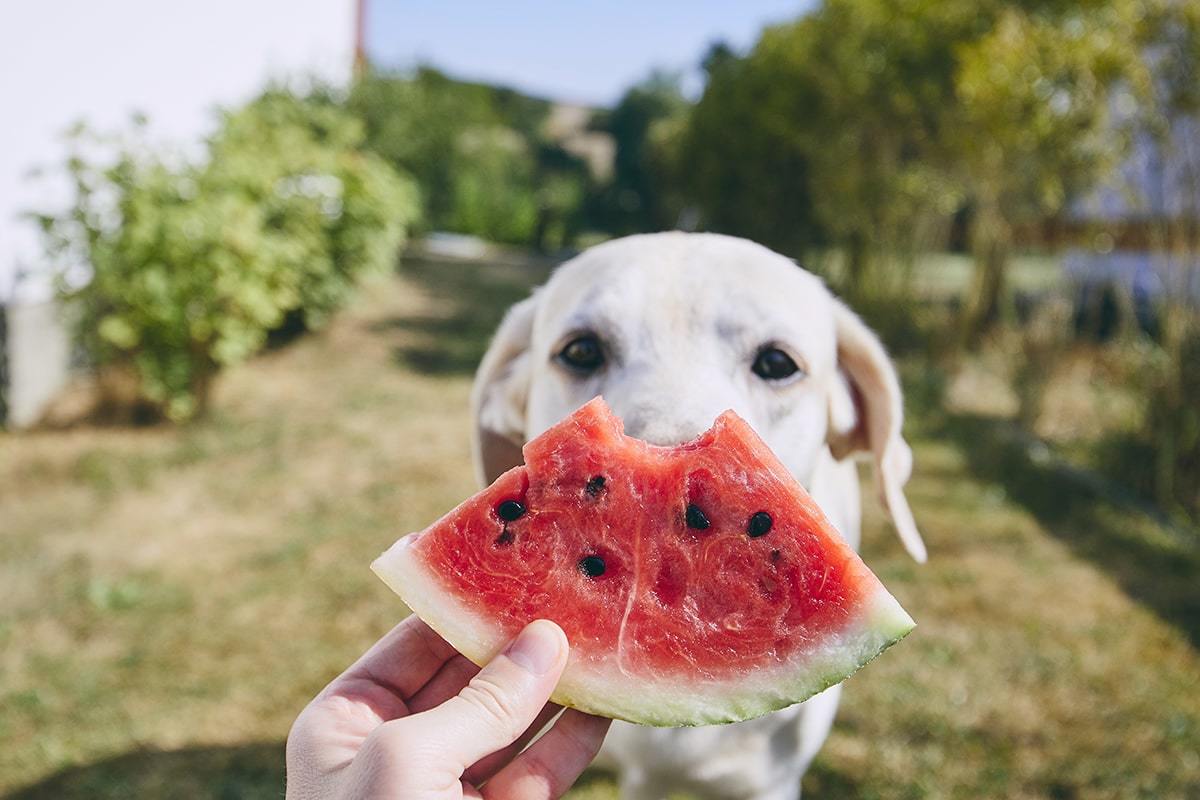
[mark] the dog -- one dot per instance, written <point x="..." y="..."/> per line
<point x="672" y="329"/>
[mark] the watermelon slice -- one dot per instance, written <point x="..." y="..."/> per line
<point x="697" y="584"/>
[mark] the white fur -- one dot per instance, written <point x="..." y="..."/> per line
<point x="682" y="317"/>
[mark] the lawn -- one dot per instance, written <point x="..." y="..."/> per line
<point x="170" y="598"/>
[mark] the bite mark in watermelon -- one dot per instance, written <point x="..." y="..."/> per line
<point x="696" y="584"/>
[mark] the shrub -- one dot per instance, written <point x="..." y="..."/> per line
<point x="487" y="158"/>
<point x="494" y="194"/>
<point x="1159" y="456"/>
<point x="1172" y="424"/>
<point x="188" y="264"/>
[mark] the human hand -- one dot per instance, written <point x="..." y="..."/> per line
<point x="413" y="719"/>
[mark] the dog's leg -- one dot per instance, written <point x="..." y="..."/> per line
<point x="816" y="722"/>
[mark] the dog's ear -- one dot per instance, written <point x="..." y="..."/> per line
<point x="866" y="411"/>
<point x="500" y="394"/>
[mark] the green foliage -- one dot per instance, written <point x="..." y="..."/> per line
<point x="479" y="153"/>
<point x="1175" y="425"/>
<point x="1034" y="127"/>
<point x="192" y="263"/>
<point x="1171" y="30"/>
<point x="646" y="125"/>
<point x="834" y="112"/>
<point x="747" y="171"/>
<point x="563" y="188"/>
<point x="338" y="210"/>
<point x="493" y="188"/>
<point x="867" y="125"/>
<point x="1166" y="447"/>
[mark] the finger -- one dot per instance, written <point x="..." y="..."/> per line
<point x="456" y="673"/>
<point x="332" y="728"/>
<point x="551" y="764"/>
<point x="488" y="766"/>
<point x="449" y="681"/>
<point x="403" y="660"/>
<point x="495" y="708"/>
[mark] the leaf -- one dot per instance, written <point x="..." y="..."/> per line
<point x="118" y="332"/>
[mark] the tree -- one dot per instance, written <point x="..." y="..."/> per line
<point x="820" y="136"/>
<point x="748" y="174"/>
<point x="478" y="152"/>
<point x="1034" y="125"/>
<point x="493" y="193"/>
<point x="868" y="123"/>
<point x="643" y="194"/>
<point x="414" y="123"/>
<point x="1169" y="434"/>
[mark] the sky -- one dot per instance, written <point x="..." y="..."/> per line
<point x="68" y="60"/>
<point x="571" y="50"/>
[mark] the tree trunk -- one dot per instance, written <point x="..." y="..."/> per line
<point x="202" y="388"/>
<point x="991" y="243"/>
<point x="856" y="266"/>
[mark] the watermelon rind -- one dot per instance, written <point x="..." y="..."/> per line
<point x="602" y="687"/>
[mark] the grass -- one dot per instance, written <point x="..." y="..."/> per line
<point x="938" y="275"/>
<point x="170" y="598"/>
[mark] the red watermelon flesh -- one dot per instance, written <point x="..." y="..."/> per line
<point x="697" y="584"/>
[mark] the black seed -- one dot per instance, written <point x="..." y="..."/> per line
<point x="774" y="556"/>
<point x="595" y="485"/>
<point x="510" y="510"/>
<point x="759" y="525"/>
<point x="696" y="518"/>
<point x="592" y="566"/>
<point x="504" y="538"/>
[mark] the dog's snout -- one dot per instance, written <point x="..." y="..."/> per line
<point x="664" y="428"/>
<point x="661" y="438"/>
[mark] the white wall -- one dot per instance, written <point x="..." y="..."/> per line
<point x="99" y="60"/>
<point x="39" y="360"/>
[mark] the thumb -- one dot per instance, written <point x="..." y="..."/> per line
<point x="499" y="703"/>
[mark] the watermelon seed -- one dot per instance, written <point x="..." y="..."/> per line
<point x="595" y="485"/>
<point x="696" y="518"/>
<point x="592" y="566"/>
<point x="510" y="510"/>
<point x="505" y="537"/>
<point x="775" y="555"/>
<point x="760" y="525"/>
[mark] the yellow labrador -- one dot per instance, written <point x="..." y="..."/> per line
<point x="672" y="329"/>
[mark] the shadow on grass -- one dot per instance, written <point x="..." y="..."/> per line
<point x="239" y="772"/>
<point x="823" y="781"/>
<point x="469" y="300"/>
<point x="224" y="773"/>
<point x="1155" y="567"/>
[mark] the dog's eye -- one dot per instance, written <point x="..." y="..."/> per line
<point x="772" y="364"/>
<point x="583" y="353"/>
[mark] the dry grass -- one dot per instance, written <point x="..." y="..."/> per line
<point x="169" y="599"/>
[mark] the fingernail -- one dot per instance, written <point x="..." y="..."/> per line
<point x="537" y="647"/>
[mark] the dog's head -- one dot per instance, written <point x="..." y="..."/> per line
<point x="674" y="328"/>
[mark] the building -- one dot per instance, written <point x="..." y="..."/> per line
<point x="1140" y="232"/>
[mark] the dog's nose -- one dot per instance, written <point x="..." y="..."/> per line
<point x="665" y="427"/>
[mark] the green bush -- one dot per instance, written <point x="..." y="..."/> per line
<point x="494" y="195"/>
<point x="193" y="262"/>
<point x="1171" y="427"/>
<point x="1158" y="456"/>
